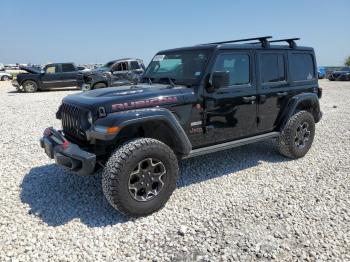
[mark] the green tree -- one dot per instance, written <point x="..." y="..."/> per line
<point x="347" y="61"/>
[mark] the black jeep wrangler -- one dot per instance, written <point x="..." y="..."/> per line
<point x="114" y="73"/>
<point x="191" y="101"/>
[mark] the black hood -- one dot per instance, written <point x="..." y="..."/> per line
<point x="32" y="70"/>
<point x="115" y="99"/>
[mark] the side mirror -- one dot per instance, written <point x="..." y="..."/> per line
<point x="220" y="79"/>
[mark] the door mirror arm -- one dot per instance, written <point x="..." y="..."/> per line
<point x="218" y="80"/>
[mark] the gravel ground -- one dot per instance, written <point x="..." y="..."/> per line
<point x="247" y="203"/>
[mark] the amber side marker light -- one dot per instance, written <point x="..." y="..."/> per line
<point x="107" y="130"/>
<point x="112" y="130"/>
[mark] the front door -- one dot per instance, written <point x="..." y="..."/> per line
<point x="231" y="111"/>
<point x="120" y="74"/>
<point x="51" y="76"/>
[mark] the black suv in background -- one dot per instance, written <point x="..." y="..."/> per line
<point x="191" y="101"/>
<point x="114" y="73"/>
<point x="52" y="75"/>
<point x="340" y="75"/>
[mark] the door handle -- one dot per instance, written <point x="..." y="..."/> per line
<point x="249" y="98"/>
<point x="281" y="94"/>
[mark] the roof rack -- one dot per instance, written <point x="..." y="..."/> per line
<point x="290" y="41"/>
<point x="262" y="39"/>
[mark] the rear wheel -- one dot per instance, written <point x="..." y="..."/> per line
<point x="298" y="135"/>
<point x="5" y="78"/>
<point x="30" y="86"/>
<point x="140" y="176"/>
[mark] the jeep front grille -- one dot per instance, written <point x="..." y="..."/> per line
<point x="71" y="121"/>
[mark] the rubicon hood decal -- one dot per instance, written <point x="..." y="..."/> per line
<point x="144" y="103"/>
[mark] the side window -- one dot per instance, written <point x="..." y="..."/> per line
<point x="51" y="69"/>
<point x="68" y="68"/>
<point x="125" y="66"/>
<point x="272" y="68"/>
<point x="302" y="67"/>
<point x="122" y="66"/>
<point x="237" y="65"/>
<point x="134" y="65"/>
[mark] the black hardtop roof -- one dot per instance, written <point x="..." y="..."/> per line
<point x="235" y="46"/>
<point x="264" y="43"/>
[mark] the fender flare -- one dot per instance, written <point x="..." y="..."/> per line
<point x="139" y="116"/>
<point x="100" y="82"/>
<point x="295" y="102"/>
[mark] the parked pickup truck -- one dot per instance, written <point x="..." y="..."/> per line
<point x="53" y="75"/>
<point x="114" y="73"/>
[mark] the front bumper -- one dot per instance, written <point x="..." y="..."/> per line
<point x="84" y="87"/>
<point x="67" y="154"/>
<point x="15" y="83"/>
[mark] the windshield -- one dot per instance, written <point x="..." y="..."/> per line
<point x="182" y="67"/>
<point x="106" y="66"/>
<point x="345" y="69"/>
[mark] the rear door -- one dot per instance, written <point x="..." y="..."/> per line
<point x="52" y="76"/>
<point x="68" y="75"/>
<point x="231" y="111"/>
<point x="273" y="87"/>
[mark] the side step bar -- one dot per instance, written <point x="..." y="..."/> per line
<point x="231" y="144"/>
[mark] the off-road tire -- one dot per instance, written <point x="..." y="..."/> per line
<point x="30" y="86"/>
<point x="4" y="78"/>
<point x="99" y="85"/>
<point x="286" y="141"/>
<point x="118" y="169"/>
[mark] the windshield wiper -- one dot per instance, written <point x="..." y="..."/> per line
<point x="171" y="82"/>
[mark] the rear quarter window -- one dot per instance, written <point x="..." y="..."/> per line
<point x="302" y="67"/>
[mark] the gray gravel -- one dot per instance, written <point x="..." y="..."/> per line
<point x="243" y="204"/>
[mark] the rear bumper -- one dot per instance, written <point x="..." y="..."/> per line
<point x="67" y="154"/>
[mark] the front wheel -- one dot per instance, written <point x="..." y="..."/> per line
<point x="140" y="177"/>
<point x="5" y="78"/>
<point x="297" y="136"/>
<point x="30" y="86"/>
<point x="99" y="85"/>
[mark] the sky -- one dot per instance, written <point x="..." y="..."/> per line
<point x="83" y="31"/>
